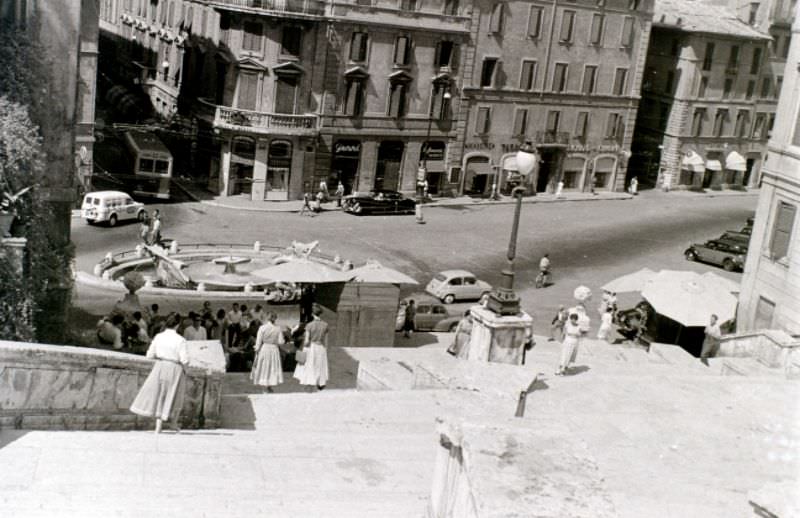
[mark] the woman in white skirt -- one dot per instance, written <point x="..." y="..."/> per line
<point x="314" y="372"/>
<point x="569" y="347"/>
<point x="606" y="320"/>
<point x="267" y="370"/>
<point x="161" y="395"/>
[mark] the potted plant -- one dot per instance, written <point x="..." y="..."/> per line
<point x="8" y="210"/>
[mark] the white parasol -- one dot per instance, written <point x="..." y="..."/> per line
<point x="374" y="271"/>
<point x="635" y="281"/>
<point x="689" y="298"/>
<point x="303" y="271"/>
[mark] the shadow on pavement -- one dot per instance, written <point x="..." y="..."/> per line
<point x="417" y="339"/>
<point x="580" y="369"/>
<point x="9" y="436"/>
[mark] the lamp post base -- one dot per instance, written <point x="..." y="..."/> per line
<point x="498" y="338"/>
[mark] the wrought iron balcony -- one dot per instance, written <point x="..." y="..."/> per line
<point x="293" y="7"/>
<point x="250" y="121"/>
<point x="552" y="137"/>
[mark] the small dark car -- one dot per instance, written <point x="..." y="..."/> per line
<point x="722" y="253"/>
<point x="378" y="202"/>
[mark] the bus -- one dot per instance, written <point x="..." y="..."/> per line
<point x="152" y="164"/>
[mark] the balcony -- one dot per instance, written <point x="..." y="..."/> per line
<point x="261" y="123"/>
<point x="558" y="138"/>
<point x="292" y="8"/>
<point x="387" y="13"/>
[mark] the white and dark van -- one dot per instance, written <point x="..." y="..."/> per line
<point x="111" y="207"/>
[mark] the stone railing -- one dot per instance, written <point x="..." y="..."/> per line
<point x="256" y="121"/>
<point x="772" y="347"/>
<point x="306" y="7"/>
<point x="75" y="388"/>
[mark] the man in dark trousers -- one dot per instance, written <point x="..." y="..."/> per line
<point x="408" y="325"/>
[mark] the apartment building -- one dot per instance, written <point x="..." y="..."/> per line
<point x="564" y="75"/>
<point x="708" y="99"/>
<point x="771" y="281"/>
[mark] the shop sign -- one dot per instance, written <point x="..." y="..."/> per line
<point x="347" y="148"/>
<point x="583" y="148"/>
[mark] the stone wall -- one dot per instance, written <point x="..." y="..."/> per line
<point x="73" y="388"/>
<point x="773" y="348"/>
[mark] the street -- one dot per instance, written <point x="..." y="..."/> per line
<point x="589" y="243"/>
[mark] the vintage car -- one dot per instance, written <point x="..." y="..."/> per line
<point x="432" y="316"/>
<point x="378" y="202"/>
<point x="451" y="285"/>
<point x="110" y="207"/>
<point x="722" y="253"/>
<point x="739" y="238"/>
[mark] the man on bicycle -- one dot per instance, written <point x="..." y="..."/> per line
<point x="544" y="271"/>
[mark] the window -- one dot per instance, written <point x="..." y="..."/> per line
<point x="487" y="72"/>
<point x="520" y="121"/>
<point x="582" y="126"/>
<point x="615" y="126"/>
<point x="702" y="86"/>
<point x="619" y="81"/>
<point x="697" y="122"/>
<point x="669" y="83"/>
<point x="358" y="46"/>
<point x="720" y="122"/>
<point x="451" y="7"/>
<point x="248" y="88"/>
<point x="751" y="19"/>
<point x="354" y="97"/>
<point x="755" y="64"/>
<point x="291" y="40"/>
<point x="560" y="77"/>
<point x="708" y="59"/>
<point x="596" y="35"/>
<point x="535" y="22"/>
<point x="251" y="39"/>
<point x="787" y="40"/>
<point x="765" y="314"/>
<point x="675" y="49"/>
<point x="771" y="124"/>
<point x="444" y="53"/>
<point x="733" y="60"/>
<point x="553" y="122"/>
<point x="766" y="87"/>
<point x="224" y="28"/>
<point x="589" y="79"/>
<point x="496" y="20"/>
<point x="527" y="78"/>
<point x="402" y="48"/>
<point x="408" y="5"/>
<point x="483" y="121"/>
<point x="782" y="231"/>
<point x="285" y="94"/>
<point x="727" y="87"/>
<point x="751" y="88"/>
<point x="627" y="32"/>
<point x="758" y="127"/>
<point x="397" y="99"/>
<point x="742" y="120"/>
<point x="778" y="86"/>
<point x="567" y="26"/>
<point x="440" y="105"/>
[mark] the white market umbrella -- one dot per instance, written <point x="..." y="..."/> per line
<point x="303" y="271"/>
<point x="689" y="298"/>
<point x="728" y="284"/>
<point x="635" y="281"/>
<point x="374" y="271"/>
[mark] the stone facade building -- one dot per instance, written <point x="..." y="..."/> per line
<point x="708" y="99"/>
<point x="771" y="282"/>
<point x="563" y="75"/>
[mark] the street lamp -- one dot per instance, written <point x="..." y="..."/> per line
<point x="503" y="300"/>
<point x="422" y="172"/>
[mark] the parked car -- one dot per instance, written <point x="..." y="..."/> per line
<point x="451" y="285"/>
<point x="739" y="238"/>
<point x="378" y="202"/>
<point x="111" y="207"/>
<point x="748" y="230"/>
<point x="433" y="316"/>
<point x="722" y="253"/>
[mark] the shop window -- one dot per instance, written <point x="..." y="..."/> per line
<point x="620" y="78"/>
<point x="487" y="72"/>
<point x="782" y="231"/>
<point x="535" y="22"/>
<point x="560" y="77"/>
<point x="483" y="121"/>
<point x="520" y="121"/>
<point x="291" y="40"/>
<point x="497" y="19"/>
<point x="596" y="34"/>
<point x="573" y="171"/>
<point x="527" y="78"/>
<point x="567" y="27"/>
<point x="402" y="49"/>
<point x="627" y="32"/>
<point x="253" y="32"/>
<point x="358" y="46"/>
<point x="589" y="79"/>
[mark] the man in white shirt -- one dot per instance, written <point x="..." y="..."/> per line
<point x="711" y="342"/>
<point x="195" y="331"/>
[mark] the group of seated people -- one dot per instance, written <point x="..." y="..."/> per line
<point x="236" y="329"/>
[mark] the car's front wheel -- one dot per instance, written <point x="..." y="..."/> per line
<point x="729" y="265"/>
<point x="449" y="299"/>
<point x="690" y="255"/>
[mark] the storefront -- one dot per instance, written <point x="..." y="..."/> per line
<point x="279" y="167"/>
<point x="344" y="165"/>
<point x="604" y="169"/>
<point x="692" y="166"/>
<point x="735" y="168"/>
<point x="478" y="175"/>
<point x="573" y="172"/>
<point x="432" y="157"/>
<point x="387" y="169"/>
<point x="242" y="161"/>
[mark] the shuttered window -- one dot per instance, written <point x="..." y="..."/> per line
<point x="496" y="21"/>
<point x="483" y="121"/>
<point x="535" y="22"/>
<point x="248" y="88"/>
<point x="520" y="121"/>
<point x="596" y="36"/>
<point x="567" y="26"/>
<point x="782" y="231"/>
<point x="253" y="32"/>
<point x="627" y="32"/>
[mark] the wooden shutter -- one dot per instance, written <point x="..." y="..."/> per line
<point x="782" y="231"/>
<point x="285" y="93"/>
<point x="534" y="21"/>
<point x="520" y="121"/>
<point x="248" y="90"/>
<point x="627" y="32"/>
<point x="496" y="21"/>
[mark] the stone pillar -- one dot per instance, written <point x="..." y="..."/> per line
<point x="498" y="338"/>
<point x="13" y="248"/>
<point x="367" y="165"/>
<point x="259" y="171"/>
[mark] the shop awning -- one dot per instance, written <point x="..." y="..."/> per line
<point x="735" y="162"/>
<point x="693" y="162"/>
<point x="713" y="165"/>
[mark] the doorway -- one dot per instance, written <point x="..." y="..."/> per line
<point x="279" y="166"/>
<point x="548" y="169"/>
<point x="344" y="167"/>
<point x="387" y="172"/>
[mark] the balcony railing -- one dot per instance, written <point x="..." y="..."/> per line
<point x="257" y="122"/>
<point x="308" y="7"/>
<point x="552" y="137"/>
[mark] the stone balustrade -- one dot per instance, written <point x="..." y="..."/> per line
<point x="68" y="388"/>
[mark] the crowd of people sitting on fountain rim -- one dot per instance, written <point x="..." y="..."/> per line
<point x="236" y="328"/>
